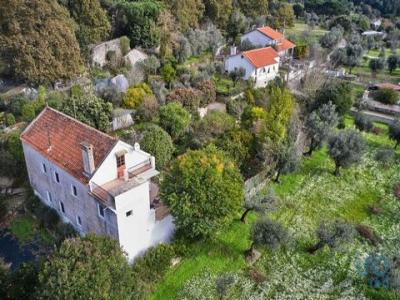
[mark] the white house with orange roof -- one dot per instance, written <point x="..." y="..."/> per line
<point x="266" y="36"/>
<point x="95" y="182"/>
<point x="260" y="65"/>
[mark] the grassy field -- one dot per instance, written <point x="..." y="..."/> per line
<point x="301" y="29"/>
<point x="364" y="71"/>
<point x="308" y="197"/>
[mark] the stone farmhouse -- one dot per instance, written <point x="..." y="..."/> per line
<point x="260" y="65"/>
<point x="266" y="36"/>
<point x="95" y="182"/>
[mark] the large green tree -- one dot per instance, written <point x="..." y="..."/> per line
<point x="87" y="268"/>
<point x="204" y="190"/>
<point x="345" y="149"/>
<point x="38" y="41"/>
<point x="188" y="13"/>
<point x="174" y="119"/>
<point x="137" y="20"/>
<point x="254" y="8"/>
<point x="157" y="142"/>
<point x="338" y="93"/>
<point x="89" y="109"/>
<point x="279" y="111"/>
<point x="92" y="21"/>
<point x="218" y="11"/>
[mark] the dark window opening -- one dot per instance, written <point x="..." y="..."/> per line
<point x="129" y="213"/>
<point x="62" y="207"/>
<point x="74" y="191"/>
<point x="57" y="177"/>
<point x="44" y="168"/>
<point x="120" y="161"/>
<point x="101" y="210"/>
<point x="79" y="220"/>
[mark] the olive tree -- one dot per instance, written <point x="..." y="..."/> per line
<point x="259" y="204"/>
<point x="345" y="149"/>
<point x="268" y="233"/>
<point x="319" y="125"/>
<point x="332" y="234"/>
<point x="394" y="132"/>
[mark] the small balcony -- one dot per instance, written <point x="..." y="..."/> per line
<point x="135" y="176"/>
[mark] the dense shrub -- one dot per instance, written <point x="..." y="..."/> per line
<point x="269" y="233"/>
<point x="213" y="126"/>
<point x="135" y="95"/>
<point x="8" y="164"/>
<point x="148" y="110"/>
<point x="157" y="142"/>
<point x="48" y="217"/>
<point x="386" y="96"/>
<point x="208" y="93"/>
<point x="333" y="234"/>
<point x="124" y="43"/>
<point x="363" y="123"/>
<point x="385" y="156"/>
<point x="9" y="119"/>
<point x="151" y="267"/>
<point x="174" y="119"/>
<point x="188" y="97"/>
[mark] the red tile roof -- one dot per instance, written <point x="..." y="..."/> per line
<point x="66" y="134"/>
<point x="271" y="33"/>
<point x="261" y="57"/>
<point x="282" y="43"/>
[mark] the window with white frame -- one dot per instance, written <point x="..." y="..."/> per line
<point x="49" y="198"/>
<point x="74" y="191"/>
<point x="101" y="209"/>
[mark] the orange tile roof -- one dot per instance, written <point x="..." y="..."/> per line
<point x="271" y="33"/>
<point x="66" y="134"/>
<point x="261" y="57"/>
<point x="282" y="43"/>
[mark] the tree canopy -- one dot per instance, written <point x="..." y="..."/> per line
<point x="87" y="268"/>
<point x="345" y="149"/>
<point x="92" y="21"/>
<point x="38" y="40"/>
<point x="204" y="190"/>
<point x="89" y="109"/>
<point x="279" y="112"/>
<point x="157" y="142"/>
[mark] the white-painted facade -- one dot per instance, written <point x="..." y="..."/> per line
<point x="258" y="39"/>
<point x="261" y="76"/>
<point x="123" y="208"/>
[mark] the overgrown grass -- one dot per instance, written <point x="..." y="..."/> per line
<point x="309" y="196"/>
<point x="301" y="29"/>
<point x="23" y="228"/>
<point x="364" y="71"/>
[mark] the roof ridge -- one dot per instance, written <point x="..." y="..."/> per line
<point x="77" y="121"/>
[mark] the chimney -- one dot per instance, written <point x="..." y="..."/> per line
<point x="233" y="50"/>
<point x="87" y="158"/>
